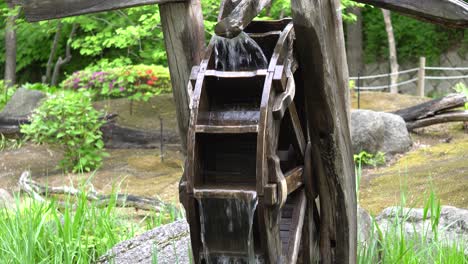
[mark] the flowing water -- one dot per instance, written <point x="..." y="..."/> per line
<point x="227" y="228"/>
<point x="241" y="53"/>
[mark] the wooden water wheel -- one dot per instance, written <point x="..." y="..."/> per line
<point x="248" y="140"/>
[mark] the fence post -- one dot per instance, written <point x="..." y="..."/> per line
<point x="421" y="76"/>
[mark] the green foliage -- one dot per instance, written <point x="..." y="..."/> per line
<point x="5" y="94"/>
<point x="69" y="120"/>
<point x="366" y="158"/>
<point x="463" y="89"/>
<point x="413" y="38"/>
<point x="10" y="143"/>
<point x="40" y="87"/>
<point x="139" y="82"/>
<point x="395" y="245"/>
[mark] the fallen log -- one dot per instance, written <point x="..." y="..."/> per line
<point x="37" y="191"/>
<point x="432" y="107"/>
<point x="453" y="116"/>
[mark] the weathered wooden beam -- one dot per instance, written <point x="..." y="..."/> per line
<point x="184" y="37"/>
<point x="37" y="10"/>
<point x="323" y="76"/>
<point x="453" y="116"/>
<point x="452" y="13"/>
<point x="430" y="108"/>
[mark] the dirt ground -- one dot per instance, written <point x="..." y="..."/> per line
<point x="438" y="161"/>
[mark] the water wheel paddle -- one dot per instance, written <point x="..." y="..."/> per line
<point x="248" y="196"/>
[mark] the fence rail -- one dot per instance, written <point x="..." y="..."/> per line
<point x="420" y="78"/>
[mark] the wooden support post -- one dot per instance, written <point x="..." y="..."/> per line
<point x="323" y="75"/>
<point x="421" y="76"/>
<point x="184" y="36"/>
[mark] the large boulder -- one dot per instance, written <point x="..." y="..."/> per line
<point x="22" y="104"/>
<point x="377" y="131"/>
<point x="453" y="223"/>
<point x="167" y="244"/>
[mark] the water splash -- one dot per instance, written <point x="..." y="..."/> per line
<point x="241" y="53"/>
<point x="227" y="229"/>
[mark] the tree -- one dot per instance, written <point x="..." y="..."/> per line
<point x="354" y="47"/>
<point x="10" y="46"/>
<point x="392" y="51"/>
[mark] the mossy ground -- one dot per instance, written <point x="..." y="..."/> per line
<point x="438" y="161"/>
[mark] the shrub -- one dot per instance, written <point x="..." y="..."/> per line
<point x="40" y="87"/>
<point x="370" y="159"/>
<point x="5" y="94"/>
<point x="139" y="82"/>
<point x="463" y="89"/>
<point x="68" y="119"/>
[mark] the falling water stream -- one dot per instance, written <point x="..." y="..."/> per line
<point x="241" y="53"/>
<point x="227" y="228"/>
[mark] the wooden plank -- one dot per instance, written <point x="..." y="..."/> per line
<point x="296" y="228"/>
<point x="226" y="129"/>
<point x="37" y="10"/>
<point x="284" y="100"/>
<point x="452" y="13"/>
<point x="184" y="38"/>
<point x="230" y="74"/>
<point x="298" y="130"/>
<point x="294" y="179"/>
<point x="324" y="80"/>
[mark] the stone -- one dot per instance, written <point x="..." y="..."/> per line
<point x="365" y="226"/>
<point x="166" y="244"/>
<point x="377" y="131"/>
<point x="396" y="136"/>
<point x="367" y="131"/>
<point x="22" y="104"/>
<point x="6" y="200"/>
<point x="453" y="223"/>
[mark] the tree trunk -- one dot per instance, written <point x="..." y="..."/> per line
<point x="67" y="59"/>
<point x="10" y="49"/>
<point x="324" y="74"/>
<point x="354" y="45"/>
<point x="53" y="51"/>
<point x="184" y="36"/>
<point x="392" y="51"/>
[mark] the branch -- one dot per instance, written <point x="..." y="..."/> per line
<point x="53" y="50"/>
<point x="68" y="57"/>
<point x="36" y="191"/>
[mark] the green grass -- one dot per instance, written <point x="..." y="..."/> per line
<point x="394" y="245"/>
<point x="73" y="231"/>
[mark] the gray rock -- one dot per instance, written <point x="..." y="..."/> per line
<point x="396" y="136"/>
<point x="168" y="244"/>
<point x="377" y="131"/>
<point x="6" y="200"/>
<point x="364" y="226"/>
<point x="453" y="223"/>
<point x="367" y="131"/>
<point x="22" y="103"/>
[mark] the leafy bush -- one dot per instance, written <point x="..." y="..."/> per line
<point x="370" y="159"/>
<point x="139" y="82"/>
<point x="5" y="94"/>
<point x="68" y="119"/>
<point x="462" y="88"/>
<point x="40" y="87"/>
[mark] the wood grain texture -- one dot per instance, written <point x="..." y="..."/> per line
<point x="430" y="108"/>
<point x="184" y="37"/>
<point x="323" y="75"/>
<point x="37" y="10"/>
<point x="452" y="13"/>
<point x="454" y="116"/>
